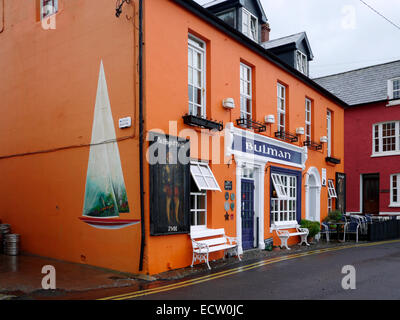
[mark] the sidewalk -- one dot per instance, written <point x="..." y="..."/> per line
<point x="21" y="277"/>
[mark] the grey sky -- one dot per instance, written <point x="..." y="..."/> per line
<point x="344" y="34"/>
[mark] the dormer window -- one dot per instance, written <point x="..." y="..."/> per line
<point x="301" y="62"/>
<point x="249" y="25"/>
<point x="228" y="17"/>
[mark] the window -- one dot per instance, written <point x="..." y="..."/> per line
<point x="196" y="77"/>
<point x="308" y="119"/>
<point x="203" y="176"/>
<point x="281" y="107"/>
<point x="331" y="189"/>
<point x="283" y="200"/>
<point x="48" y="8"/>
<point x="329" y="131"/>
<point x="394" y="89"/>
<point x="228" y="17"/>
<point x="386" y="138"/>
<point x="249" y="25"/>
<point x="301" y="62"/>
<point x="198" y="206"/>
<point x="330" y="204"/>
<point x="245" y="92"/>
<point x="395" y="190"/>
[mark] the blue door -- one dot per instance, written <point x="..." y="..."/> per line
<point x="247" y="214"/>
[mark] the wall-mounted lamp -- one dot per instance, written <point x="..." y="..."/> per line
<point x="118" y="9"/>
<point x="324" y="139"/>
<point x="228" y="103"/>
<point x="300" y="131"/>
<point x="270" y="119"/>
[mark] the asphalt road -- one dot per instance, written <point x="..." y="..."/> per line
<point x="317" y="276"/>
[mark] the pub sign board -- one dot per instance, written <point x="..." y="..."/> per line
<point x="169" y="161"/>
<point x="267" y="150"/>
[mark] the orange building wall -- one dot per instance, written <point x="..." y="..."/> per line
<point x="167" y="100"/>
<point x="48" y="84"/>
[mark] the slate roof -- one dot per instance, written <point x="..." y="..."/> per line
<point x="363" y="85"/>
<point x="294" y="38"/>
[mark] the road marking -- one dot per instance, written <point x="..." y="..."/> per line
<point x="236" y="270"/>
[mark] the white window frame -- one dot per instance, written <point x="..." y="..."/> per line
<point x="246" y="89"/>
<point x="196" y="47"/>
<point x="395" y="190"/>
<point x="392" y="92"/>
<point x="247" y="28"/>
<point x="378" y="139"/>
<point x="52" y="11"/>
<point x="284" y="207"/>
<point x="308" y="122"/>
<point x="195" y="210"/>
<point x="203" y="174"/>
<point x="281" y="107"/>
<point x="330" y="204"/>
<point x="331" y="189"/>
<point x="301" y="62"/>
<point x="329" y="131"/>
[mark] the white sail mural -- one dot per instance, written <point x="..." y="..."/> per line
<point x="105" y="194"/>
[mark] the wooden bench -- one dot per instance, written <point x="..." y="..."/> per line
<point x="205" y="241"/>
<point x="283" y="234"/>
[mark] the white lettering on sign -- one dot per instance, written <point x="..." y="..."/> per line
<point x="268" y="151"/>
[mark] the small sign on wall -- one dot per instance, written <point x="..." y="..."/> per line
<point x="125" y="122"/>
<point x="323" y="182"/>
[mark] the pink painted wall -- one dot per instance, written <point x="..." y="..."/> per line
<point x="358" y="126"/>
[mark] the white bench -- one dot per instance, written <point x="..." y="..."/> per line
<point x="283" y="234"/>
<point x="205" y="241"/>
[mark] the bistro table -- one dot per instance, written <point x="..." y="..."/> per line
<point x="337" y="224"/>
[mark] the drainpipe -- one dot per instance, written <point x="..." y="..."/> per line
<point x="141" y="162"/>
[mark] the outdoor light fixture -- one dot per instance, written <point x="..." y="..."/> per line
<point x="300" y="131"/>
<point x="228" y="103"/>
<point x="270" y="119"/>
<point x="324" y="139"/>
<point x="119" y="5"/>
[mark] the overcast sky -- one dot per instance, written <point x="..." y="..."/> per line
<point x="344" y="34"/>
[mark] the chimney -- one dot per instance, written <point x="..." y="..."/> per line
<point x="265" y="30"/>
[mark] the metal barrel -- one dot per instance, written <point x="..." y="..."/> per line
<point x="4" y="230"/>
<point x="11" y="244"/>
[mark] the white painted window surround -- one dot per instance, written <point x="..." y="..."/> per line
<point x="283" y="206"/>
<point x="249" y="25"/>
<point x="386" y="139"/>
<point x="394" y="91"/>
<point x="48" y="8"/>
<point x="281" y="108"/>
<point x="246" y="88"/>
<point x="395" y="190"/>
<point x="203" y="177"/>
<point x="308" y="119"/>
<point x="197" y="76"/>
<point x="301" y="62"/>
<point x="329" y="131"/>
<point x="331" y="189"/>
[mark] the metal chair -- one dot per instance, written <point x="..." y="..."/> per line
<point x="326" y="230"/>
<point x="352" y="226"/>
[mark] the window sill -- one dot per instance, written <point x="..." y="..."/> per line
<point x="393" y="103"/>
<point x="385" y="154"/>
<point x="286" y="224"/>
<point x="394" y="205"/>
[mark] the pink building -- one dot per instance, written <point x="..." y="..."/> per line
<point x="372" y="136"/>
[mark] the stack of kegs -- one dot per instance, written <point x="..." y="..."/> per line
<point x="4" y="230"/>
<point x="11" y="244"/>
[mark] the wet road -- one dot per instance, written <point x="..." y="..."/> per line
<point x="312" y="275"/>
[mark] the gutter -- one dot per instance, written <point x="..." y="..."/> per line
<point x="141" y="129"/>
<point x="212" y="19"/>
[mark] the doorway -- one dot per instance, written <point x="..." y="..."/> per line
<point x="370" y="193"/>
<point x="313" y="194"/>
<point x="247" y="213"/>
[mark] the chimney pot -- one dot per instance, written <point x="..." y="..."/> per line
<point x="265" y="30"/>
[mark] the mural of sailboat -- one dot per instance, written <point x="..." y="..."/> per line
<point x="105" y="194"/>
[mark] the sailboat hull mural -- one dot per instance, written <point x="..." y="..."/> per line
<point x="105" y="193"/>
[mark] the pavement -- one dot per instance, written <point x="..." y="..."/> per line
<point x="21" y="276"/>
